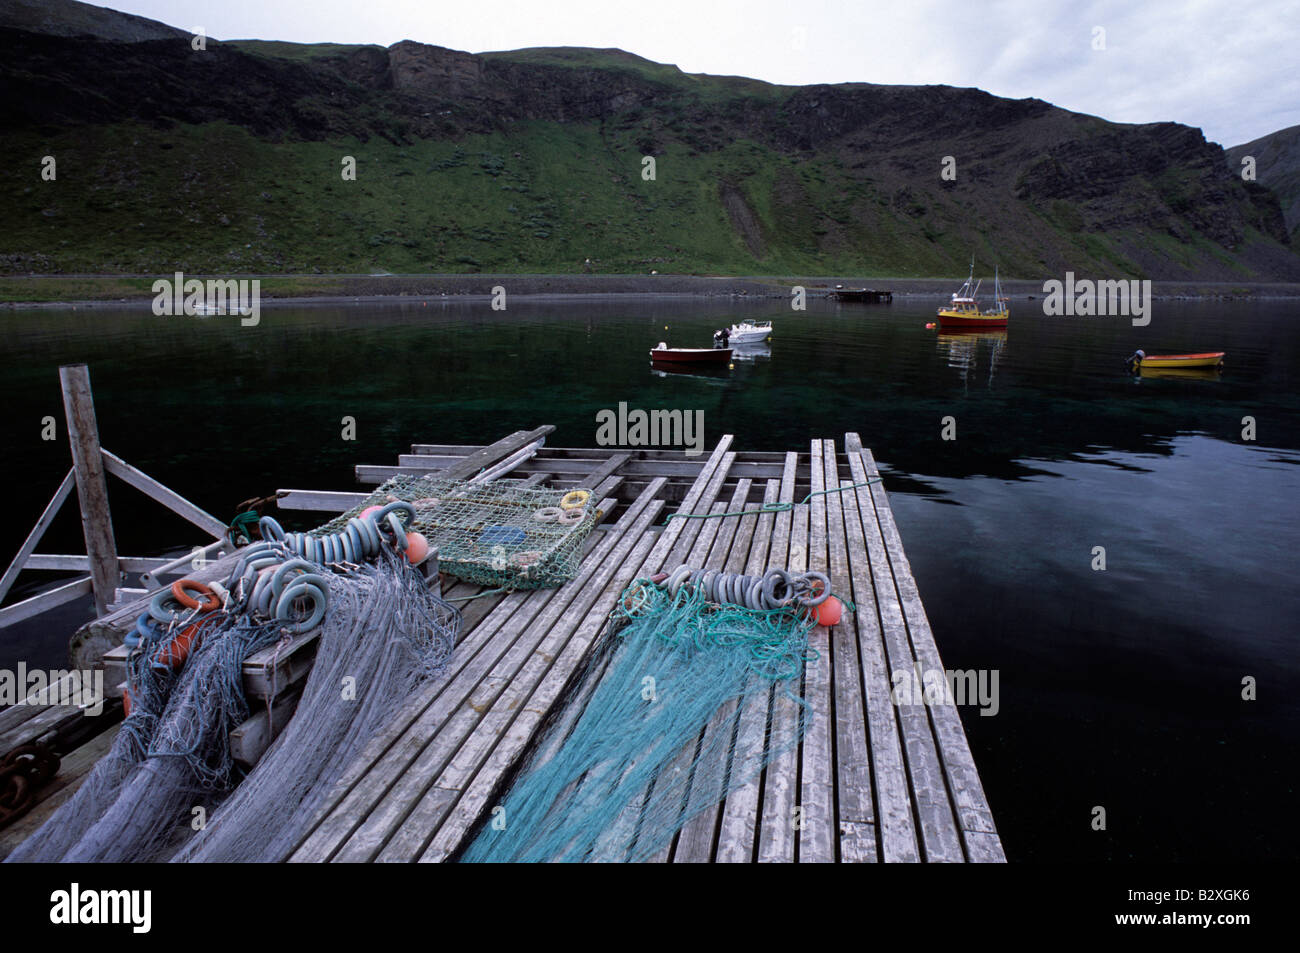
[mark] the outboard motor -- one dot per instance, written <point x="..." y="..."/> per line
<point x="1135" y="360"/>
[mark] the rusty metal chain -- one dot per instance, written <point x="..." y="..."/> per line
<point x="22" y="772"/>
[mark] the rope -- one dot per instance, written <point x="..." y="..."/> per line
<point x="479" y="595"/>
<point x="617" y="781"/>
<point x="770" y="507"/>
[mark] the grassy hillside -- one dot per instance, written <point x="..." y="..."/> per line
<point x="531" y="160"/>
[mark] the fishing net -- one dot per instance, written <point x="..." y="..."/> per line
<point x="503" y="534"/>
<point x="385" y="636"/>
<point x="657" y="740"/>
<point x="384" y="630"/>
<point x="172" y="753"/>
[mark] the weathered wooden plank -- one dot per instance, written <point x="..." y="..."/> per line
<point x="320" y="501"/>
<point x="893" y="803"/>
<point x="738" y="827"/>
<point x="818" y="827"/>
<point x="38" y="530"/>
<point x="684" y="470"/>
<point x="695" y="842"/>
<point x="605" y="470"/>
<point x="852" y="755"/>
<point x="53" y="721"/>
<point x="857" y="843"/>
<point x="776" y="837"/>
<point x="34" y="702"/>
<point x="69" y="562"/>
<point x="940" y="839"/>
<point x="164" y="495"/>
<point x="42" y="601"/>
<point x="604" y="453"/>
<point x="984" y="847"/>
<point x="483" y="457"/>
<point x="526" y="452"/>
<point x="92" y="486"/>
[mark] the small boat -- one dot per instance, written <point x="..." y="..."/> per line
<point x="1140" y="360"/>
<point x="701" y="371"/>
<point x="691" y="355"/>
<point x="964" y="311"/>
<point x="749" y="332"/>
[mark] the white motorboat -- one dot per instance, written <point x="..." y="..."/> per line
<point x="747" y="332"/>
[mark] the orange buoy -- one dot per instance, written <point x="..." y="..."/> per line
<point x="370" y="509"/>
<point x="207" y="600"/>
<point x="929" y="326"/>
<point x="417" y="547"/>
<point x="829" y="612"/>
<point x="175" y="652"/>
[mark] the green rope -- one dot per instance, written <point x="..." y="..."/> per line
<point x="479" y="595"/>
<point x="770" y="507"/>
<point x="242" y="525"/>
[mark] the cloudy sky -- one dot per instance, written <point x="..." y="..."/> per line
<point x="1225" y="66"/>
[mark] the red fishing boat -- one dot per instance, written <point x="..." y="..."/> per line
<point x="691" y="355"/>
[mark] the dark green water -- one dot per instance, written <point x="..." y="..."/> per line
<point x="1119" y="689"/>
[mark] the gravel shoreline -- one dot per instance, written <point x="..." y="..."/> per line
<point x="374" y="287"/>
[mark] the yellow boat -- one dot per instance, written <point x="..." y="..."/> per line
<point x="1141" y="360"/>
<point x="964" y="311"/>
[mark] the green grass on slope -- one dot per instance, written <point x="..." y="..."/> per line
<point x="542" y="197"/>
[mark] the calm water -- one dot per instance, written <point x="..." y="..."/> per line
<point x="1118" y="688"/>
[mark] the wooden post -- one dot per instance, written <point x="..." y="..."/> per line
<point x="92" y="488"/>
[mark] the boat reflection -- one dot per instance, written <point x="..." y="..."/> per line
<point x="1186" y="373"/>
<point x="675" y="368"/>
<point x="761" y="351"/>
<point x="962" y="348"/>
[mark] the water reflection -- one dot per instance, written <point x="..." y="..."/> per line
<point x="751" y="353"/>
<point x="962" y="349"/>
<point x="676" y="369"/>
<point x="1185" y="373"/>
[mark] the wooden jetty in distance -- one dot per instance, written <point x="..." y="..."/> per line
<point x="871" y="780"/>
<point x="862" y="295"/>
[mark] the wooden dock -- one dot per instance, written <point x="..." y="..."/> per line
<point x="871" y="780"/>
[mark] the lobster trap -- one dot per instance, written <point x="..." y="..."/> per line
<point x="501" y="533"/>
